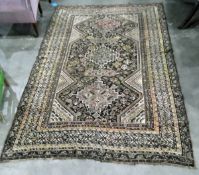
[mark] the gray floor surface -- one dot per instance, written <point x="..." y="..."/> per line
<point x="18" y="53"/>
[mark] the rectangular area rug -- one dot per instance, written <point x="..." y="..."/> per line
<point x="104" y="87"/>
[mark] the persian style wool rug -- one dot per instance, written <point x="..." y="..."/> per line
<point x="104" y="87"/>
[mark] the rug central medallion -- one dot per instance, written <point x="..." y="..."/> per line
<point x="101" y="62"/>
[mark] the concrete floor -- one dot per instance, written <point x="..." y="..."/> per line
<point x="18" y="53"/>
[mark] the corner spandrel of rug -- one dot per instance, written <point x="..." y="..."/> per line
<point x="104" y="87"/>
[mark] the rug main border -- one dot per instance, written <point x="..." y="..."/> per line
<point x="97" y="155"/>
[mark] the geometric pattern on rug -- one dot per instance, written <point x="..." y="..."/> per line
<point x="104" y="87"/>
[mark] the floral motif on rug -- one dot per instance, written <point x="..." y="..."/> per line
<point x="105" y="87"/>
